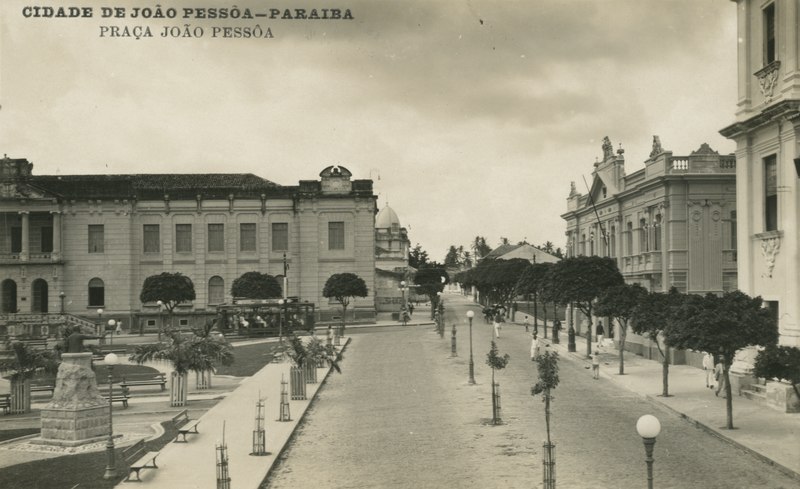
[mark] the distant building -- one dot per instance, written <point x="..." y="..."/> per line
<point x="391" y="260"/>
<point x="671" y="224"/>
<point x="87" y="242"/>
<point x="767" y="135"/>
<point x="525" y="251"/>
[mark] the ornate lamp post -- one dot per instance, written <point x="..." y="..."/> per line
<point x="62" y="296"/>
<point x="100" y="325"/>
<point x="111" y="470"/>
<point x="470" y="315"/>
<point x="160" y="318"/>
<point x="648" y="428"/>
<point x="403" y="302"/>
<point x="111" y="325"/>
<point x="281" y="303"/>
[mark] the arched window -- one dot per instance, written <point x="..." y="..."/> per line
<point x="39" y="295"/>
<point x="657" y="233"/>
<point x="612" y="242"/>
<point x="97" y="292"/>
<point x="8" y="294"/>
<point x="629" y="238"/>
<point x="216" y="290"/>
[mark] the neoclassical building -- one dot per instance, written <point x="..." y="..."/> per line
<point x="767" y="135"/>
<point x="80" y="243"/>
<point x="671" y="224"/>
<point x="391" y="260"/>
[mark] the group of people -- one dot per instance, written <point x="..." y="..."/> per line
<point x="715" y="374"/>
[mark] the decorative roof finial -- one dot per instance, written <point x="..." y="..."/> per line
<point x="657" y="149"/>
<point x="620" y="151"/>
<point x="608" y="149"/>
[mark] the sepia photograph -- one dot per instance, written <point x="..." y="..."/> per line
<point x="399" y="244"/>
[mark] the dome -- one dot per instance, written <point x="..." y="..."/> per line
<point x="387" y="219"/>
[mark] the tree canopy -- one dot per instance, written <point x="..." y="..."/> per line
<point x="169" y="288"/>
<point x="343" y="287"/>
<point x="256" y="285"/>
<point x="620" y="302"/>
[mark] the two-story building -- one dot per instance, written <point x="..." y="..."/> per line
<point x="84" y="244"/>
<point x="671" y="224"/>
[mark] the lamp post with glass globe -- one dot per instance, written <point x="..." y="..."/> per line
<point x="62" y="296"/>
<point x="111" y="470"/>
<point x="100" y="326"/>
<point x="281" y="302"/>
<point x="648" y="428"/>
<point x="470" y="315"/>
<point x="160" y="318"/>
<point x="111" y="325"/>
<point x="403" y="307"/>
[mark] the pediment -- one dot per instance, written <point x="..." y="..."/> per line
<point x="596" y="191"/>
<point x="16" y="190"/>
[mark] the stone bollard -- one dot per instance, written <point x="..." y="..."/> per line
<point x="453" y="351"/>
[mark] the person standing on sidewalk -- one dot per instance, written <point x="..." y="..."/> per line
<point x="534" y="347"/>
<point x="527" y="322"/>
<point x="708" y="367"/>
<point x="599" y="331"/>
<point x="595" y="365"/>
<point x="719" y="375"/>
<point x="496" y="323"/>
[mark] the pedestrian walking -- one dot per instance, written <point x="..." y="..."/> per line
<point x="527" y="322"/>
<point x="496" y="323"/>
<point x="410" y="309"/>
<point x="534" y="347"/>
<point x="719" y="375"/>
<point x="600" y="332"/>
<point x="595" y="365"/>
<point x="708" y="368"/>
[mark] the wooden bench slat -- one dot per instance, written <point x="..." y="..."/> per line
<point x="145" y="461"/>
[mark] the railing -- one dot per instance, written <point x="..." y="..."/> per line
<point x="679" y="164"/>
<point x="728" y="163"/>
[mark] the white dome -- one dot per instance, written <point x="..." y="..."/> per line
<point x="386" y="219"/>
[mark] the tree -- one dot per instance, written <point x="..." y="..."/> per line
<point x="504" y="241"/>
<point x="779" y="362"/>
<point x="654" y="318"/>
<point x="429" y="282"/>
<point x="532" y="282"/>
<point x="453" y="258"/>
<point x="256" y="285"/>
<point x="619" y="302"/>
<point x="547" y="367"/>
<point x="185" y="354"/>
<point x="580" y="280"/>
<point x="723" y="325"/>
<point x="23" y="364"/>
<point x="343" y="287"/>
<point x="479" y="247"/>
<point x="417" y="257"/>
<point x="169" y="288"/>
<point x="496" y="362"/>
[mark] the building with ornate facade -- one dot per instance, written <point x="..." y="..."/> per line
<point x="80" y="243"/>
<point x="767" y="135"/>
<point x="671" y="224"/>
<point x="391" y="260"/>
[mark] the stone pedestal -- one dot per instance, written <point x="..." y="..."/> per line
<point x="78" y="414"/>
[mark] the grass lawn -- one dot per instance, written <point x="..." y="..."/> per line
<point x="249" y="359"/>
<point x="84" y="471"/>
<point x="11" y="434"/>
<point x="101" y="373"/>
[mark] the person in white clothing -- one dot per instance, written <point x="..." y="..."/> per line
<point x="708" y="367"/>
<point x="534" y="347"/>
<point x="496" y="323"/>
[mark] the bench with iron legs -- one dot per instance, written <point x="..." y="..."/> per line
<point x="43" y="388"/>
<point x="120" y="394"/>
<point x="157" y="379"/>
<point x="5" y="402"/>
<point x="184" y="425"/>
<point x="139" y="458"/>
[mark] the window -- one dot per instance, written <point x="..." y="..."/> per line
<point x="769" y="34"/>
<point x="46" y="242"/>
<point x="657" y="233"/>
<point x="247" y="236"/>
<point x="151" y="323"/>
<point x="733" y="230"/>
<point x="183" y="238"/>
<point x="643" y="236"/>
<point x="96" y="238"/>
<point x="774" y="309"/>
<point x="152" y="238"/>
<point x="336" y="235"/>
<point x="216" y="290"/>
<point x="280" y="236"/>
<point x="591" y="243"/>
<point x="183" y="322"/>
<point x="16" y="239"/>
<point x="612" y="242"/>
<point x="97" y="293"/>
<point x="770" y="193"/>
<point x="629" y="238"/>
<point x="216" y="237"/>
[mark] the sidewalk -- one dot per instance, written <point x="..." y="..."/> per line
<point x="760" y="430"/>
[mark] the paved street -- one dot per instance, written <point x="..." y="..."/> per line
<point x="403" y="415"/>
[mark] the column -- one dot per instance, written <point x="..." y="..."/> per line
<point x="56" y="254"/>
<point x="25" y="253"/>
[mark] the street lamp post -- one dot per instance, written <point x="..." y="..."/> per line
<point x="470" y="315"/>
<point x="100" y="325"/>
<point x="403" y="302"/>
<point x="111" y="470"/>
<point x="281" y="302"/>
<point x="62" y="296"/>
<point x="111" y="325"/>
<point x="160" y="318"/>
<point x="648" y="428"/>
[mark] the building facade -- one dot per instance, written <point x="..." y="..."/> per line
<point x="671" y="224"/>
<point x="82" y="243"/>
<point x="767" y="135"/>
<point x="391" y="260"/>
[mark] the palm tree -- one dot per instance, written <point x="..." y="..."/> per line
<point x="24" y="363"/>
<point x="194" y="353"/>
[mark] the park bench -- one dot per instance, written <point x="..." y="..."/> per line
<point x="154" y="379"/>
<point x="5" y="402"/>
<point x="138" y="458"/>
<point x="43" y="388"/>
<point x="117" y="395"/>
<point x="184" y="425"/>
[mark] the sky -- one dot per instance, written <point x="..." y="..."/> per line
<point x="471" y="117"/>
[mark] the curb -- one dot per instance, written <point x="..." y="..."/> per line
<point x="698" y="424"/>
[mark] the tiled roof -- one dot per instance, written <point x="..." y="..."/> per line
<point x="501" y="250"/>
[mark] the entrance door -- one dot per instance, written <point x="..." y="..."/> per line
<point x="39" y="295"/>
<point x="8" y="296"/>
